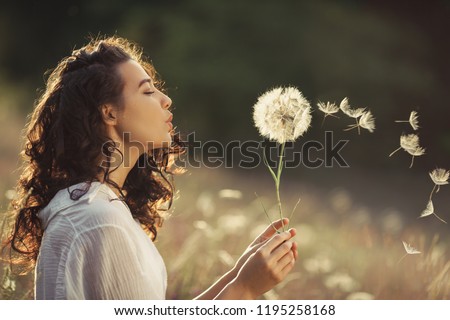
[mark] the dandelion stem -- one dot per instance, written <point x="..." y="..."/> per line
<point x="398" y="121"/>
<point x="357" y="124"/>
<point x="268" y="166"/>
<point x="277" y="183"/>
<point x="394" y="151"/>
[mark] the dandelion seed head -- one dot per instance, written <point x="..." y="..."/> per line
<point x="410" y="249"/>
<point x="440" y="176"/>
<point x="282" y="114"/>
<point x="367" y="121"/>
<point x="413" y="120"/>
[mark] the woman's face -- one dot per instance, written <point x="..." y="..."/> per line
<point x="143" y="121"/>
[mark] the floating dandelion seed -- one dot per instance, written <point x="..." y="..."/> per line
<point x="282" y="114"/>
<point x="413" y="120"/>
<point x="329" y="109"/>
<point x="410" y="143"/>
<point x="429" y="210"/>
<point x="354" y="113"/>
<point x="366" y="121"/>
<point x="440" y="178"/>
<point x="409" y="250"/>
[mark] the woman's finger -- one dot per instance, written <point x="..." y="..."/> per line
<point x="285" y="260"/>
<point x="272" y="229"/>
<point x="276" y="240"/>
<point x="295" y="250"/>
<point x="283" y="249"/>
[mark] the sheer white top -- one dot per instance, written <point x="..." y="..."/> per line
<point x="92" y="248"/>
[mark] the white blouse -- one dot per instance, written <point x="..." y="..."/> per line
<point x="92" y="248"/>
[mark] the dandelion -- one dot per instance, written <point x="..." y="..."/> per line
<point x="282" y="115"/>
<point x="413" y="120"/>
<point x="329" y="109"/>
<point x="410" y="143"/>
<point x="409" y="250"/>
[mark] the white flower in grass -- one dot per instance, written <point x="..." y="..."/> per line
<point x="410" y="143"/>
<point x="367" y="121"/>
<point x="413" y="120"/>
<point x="329" y="109"/>
<point x="282" y="114"/>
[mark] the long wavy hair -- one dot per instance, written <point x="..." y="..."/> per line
<point x="66" y="138"/>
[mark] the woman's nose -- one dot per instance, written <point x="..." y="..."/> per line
<point x="166" y="102"/>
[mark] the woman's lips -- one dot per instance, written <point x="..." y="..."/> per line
<point x="170" y="125"/>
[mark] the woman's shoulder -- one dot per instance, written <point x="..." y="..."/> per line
<point x="97" y="206"/>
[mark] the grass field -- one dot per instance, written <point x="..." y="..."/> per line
<point x="350" y="237"/>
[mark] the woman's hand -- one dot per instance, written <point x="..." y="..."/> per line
<point x="261" y="240"/>
<point x="267" y="266"/>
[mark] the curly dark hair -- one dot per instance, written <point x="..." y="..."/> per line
<point x="66" y="138"/>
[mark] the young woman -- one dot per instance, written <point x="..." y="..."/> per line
<point x="99" y="148"/>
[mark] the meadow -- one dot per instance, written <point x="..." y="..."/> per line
<point x="350" y="231"/>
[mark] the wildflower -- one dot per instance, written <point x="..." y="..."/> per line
<point x="329" y="109"/>
<point x="282" y="114"/>
<point x="409" y="250"/>
<point x="429" y="210"/>
<point x="413" y="120"/>
<point x="410" y="143"/>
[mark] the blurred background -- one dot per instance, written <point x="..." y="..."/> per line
<point x="216" y="58"/>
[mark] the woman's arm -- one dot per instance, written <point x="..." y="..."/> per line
<point x="228" y="283"/>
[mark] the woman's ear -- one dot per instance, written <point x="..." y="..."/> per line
<point x="109" y="114"/>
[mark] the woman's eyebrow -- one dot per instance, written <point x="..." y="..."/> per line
<point x="144" y="81"/>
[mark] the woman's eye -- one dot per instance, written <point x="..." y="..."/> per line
<point x="149" y="92"/>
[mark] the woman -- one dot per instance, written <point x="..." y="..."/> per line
<point x="101" y="132"/>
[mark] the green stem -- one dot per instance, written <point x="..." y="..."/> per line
<point x="277" y="183"/>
